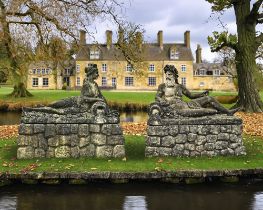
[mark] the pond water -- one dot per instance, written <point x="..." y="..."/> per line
<point x="11" y="118"/>
<point x="136" y="196"/>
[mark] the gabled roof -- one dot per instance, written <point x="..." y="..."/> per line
<point x="151" y="51"/>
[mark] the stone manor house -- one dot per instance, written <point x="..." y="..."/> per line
<point x="116" y="73"/>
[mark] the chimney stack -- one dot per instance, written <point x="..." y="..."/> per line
<point x="109" y="39"/>
<point x="82" y="37"/>
<point x="198" y="54"/>
<point x="138" y="36"/>
<point x="120" y="35"/>
<point x="160" y="39"/>
<point x="187" y="39"/>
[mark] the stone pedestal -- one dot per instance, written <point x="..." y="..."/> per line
<point x="44" y="135"/>
<point x="200" y="136"/>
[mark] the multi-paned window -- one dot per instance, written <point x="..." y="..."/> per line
<point x="77" y="68"/>
<point x="43" y="71"/>
<point x="67" y="71"/>
<point x="151" y="67"/>
<point x="47" y="71"/>
<point x="129" y="81"/>
<point x="104" y="81"/>
<point x="45" y="81"/>
<point x="94" y="54"/>
<point x="183" y="68"/>
<point x="78" y="81"/>
<point x="183" y="81"/>
<point x="38" y="71"/>
<point x="113" y="81"/>
<point x="174" y="55"/>
<point x="34" y="71"/>
<point x="152" y="81"/>
<point x="217" y="72"/>
<point x="129" y="67"/>
<point x="35" y="82"/>
<point x="104" y="67"/>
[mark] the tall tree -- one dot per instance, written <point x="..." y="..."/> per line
<point x="248" y="14"/>
<point x="29" y="22"/>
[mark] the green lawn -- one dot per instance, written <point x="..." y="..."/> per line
<point x="135" y="160"/>
<point x="47" y="96"/>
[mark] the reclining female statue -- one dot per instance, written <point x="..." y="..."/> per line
<point x="90" y="96"/>
<point x="169" y="97"/>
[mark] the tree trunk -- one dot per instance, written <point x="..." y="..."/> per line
<point x="249" y="98"/>
<point x="19" y="85"/>
<point x="20" y="91"/>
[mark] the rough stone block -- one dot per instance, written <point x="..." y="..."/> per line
<point x="234" y="138"/>
<point x="94" y="128"/>
<point x="74" y="128"/>
<point x="167" y="141"/>
<point x="74" y="140"/>
<point x="186" y="153"/>
<point x="240" y="151"/>
<point x="98" y="139"/>
<point x="25" y="152"/>
<point x="62" y="152"/>
<point x="53" y="142"/>
<point x="39" y="128"/>
<point x="63" y="129"/>
<point x="200" y="148"/>
<point x="153" y="141"/>
<point x="50" y="152"/>
<point x="157" y="130"/>
<point x="115" y="140"/>
<point x="234" y="145"/>
<point x="201" y="140"/>
<point x="64" y="140"/>
<point x="190" y="147"/>
<point x="119" y="151"/>
<point x="191" y="137"/>
<point x="50" y="130"/>
<point x="151" y="151"/>
<point x="40" y="153"/>
<point x="163" y="151"/>
<point x="84" y="130"/>
<point x="183" y="128"/>
<point x="74" y="152"/>
<point x="226" y="129"/>
<point x="42" y="142"/>
<point x="223" y="137"/>
<point x="178" y="150"/>
<point x="109" y="129"/>
<point x="193" y="128"/>
<point x="84" y="141"/>
<point x="104" y="151"/>
<point x="211" y="138"/>
<point x="88" y="151"/>
<point x="237" y="129"/>
<point x="215" y="129"/>
<point x="221" y="145"/>
<point x="202" y="129"/>
<point x="194" y="153"/>
<point x="25" y="129"/>
<point x="180" y="138"/>
<point x="209" y="146"/>
<point x="173" y="130"/>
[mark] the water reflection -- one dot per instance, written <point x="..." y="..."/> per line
<point x="11" y="118"/>
<point x="135" y="203"/>
<point x="136" y="196"/>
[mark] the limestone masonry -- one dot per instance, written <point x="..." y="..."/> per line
<point x="199" y="136"/>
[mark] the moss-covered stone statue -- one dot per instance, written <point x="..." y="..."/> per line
<point x="169" y="99"/>
<point x="81" y="126"/>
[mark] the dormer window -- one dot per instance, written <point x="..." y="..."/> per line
<point x="129" y="68"/>
<point x="94" y="54"/>
<point x="174" y="54"/>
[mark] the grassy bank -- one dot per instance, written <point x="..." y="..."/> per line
<point x="120" y="100"/>
<point x="135" y="160"/>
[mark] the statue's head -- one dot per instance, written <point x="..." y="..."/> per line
<point x="171" y="69"/>
<point x="171" y="75"/>
<point x="92" y="71"/>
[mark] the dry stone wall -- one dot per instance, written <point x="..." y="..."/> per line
<point x="199" y="136"/>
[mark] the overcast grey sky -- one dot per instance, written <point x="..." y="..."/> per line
<point x="174" y="17"/>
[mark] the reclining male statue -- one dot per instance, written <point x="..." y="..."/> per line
<point x="90" y="99"/>
<point x="169" y="100"/>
